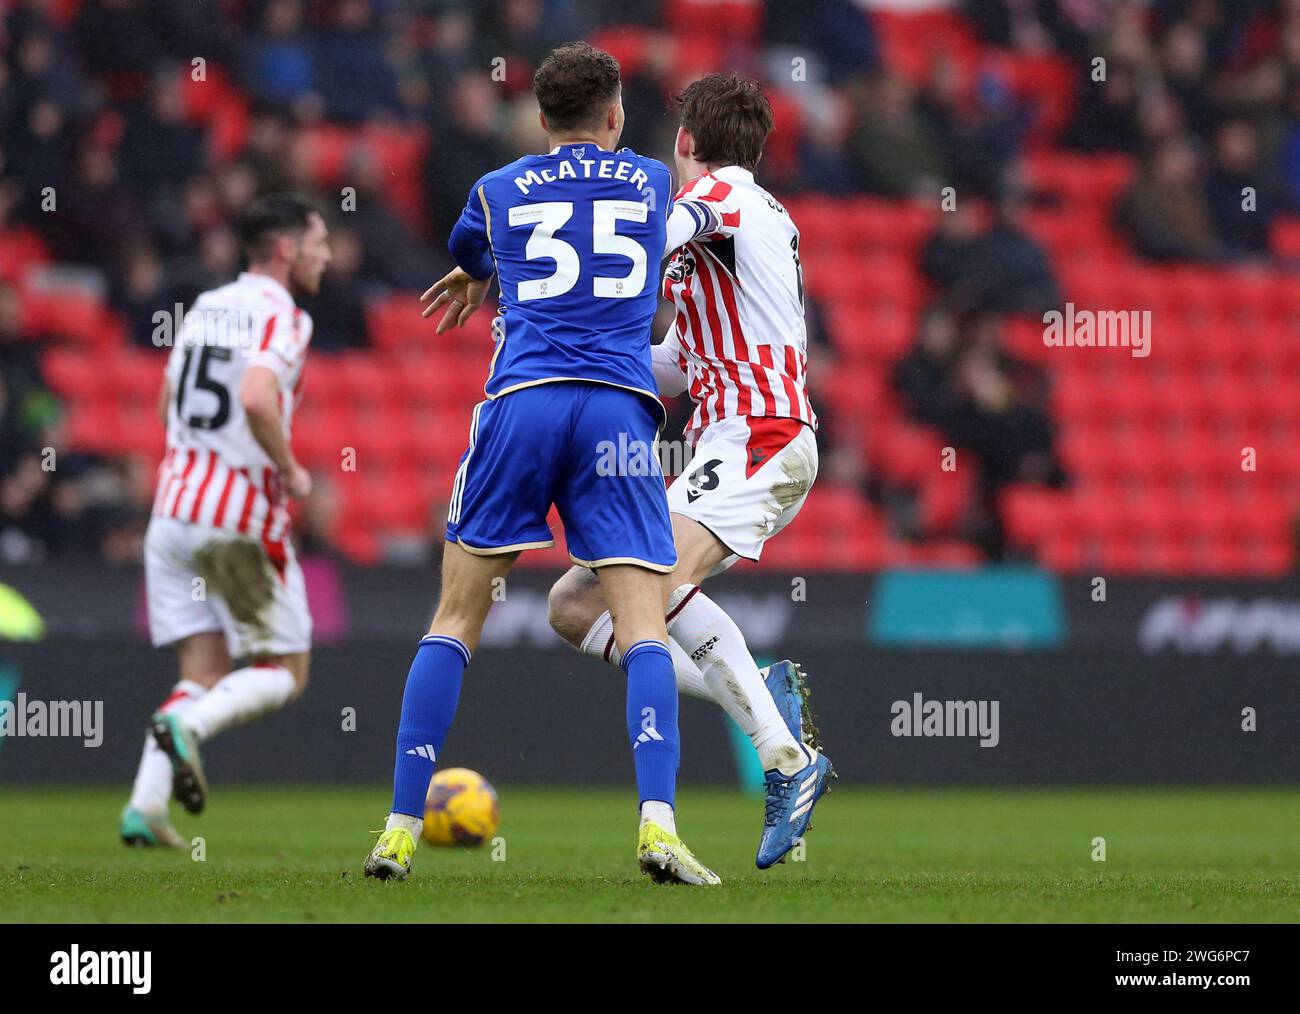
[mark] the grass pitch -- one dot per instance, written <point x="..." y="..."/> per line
<point x="294" y="855"/>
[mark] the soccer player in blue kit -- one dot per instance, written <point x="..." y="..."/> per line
<point x="575" y="238"/>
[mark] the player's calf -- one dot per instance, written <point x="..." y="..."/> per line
<point x="716" y="645"/>
<point x="247" y="694"/>
<point x="235" y="699"/>
<point x="153" y="785"/>
<point x="576" y="610"/>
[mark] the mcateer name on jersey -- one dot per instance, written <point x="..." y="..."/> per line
<point x="583" y="169"/>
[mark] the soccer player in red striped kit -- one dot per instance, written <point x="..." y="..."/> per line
<point x="220" y="572"/>
<point x="738" y="347"/>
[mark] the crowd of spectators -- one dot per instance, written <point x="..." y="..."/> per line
<point x="93" y="102"/>
<point x="1207" y="96"/>
<point x="1204" y="94"/>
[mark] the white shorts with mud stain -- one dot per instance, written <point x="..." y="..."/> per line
<point x="747" y="479"/>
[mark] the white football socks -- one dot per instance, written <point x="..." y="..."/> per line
<point x="690" y="681"/>
<point x="599" y="640"/>
<point x="711" y="639"/>
<point x="659" y="812"/>
<point x="413" y="824"/>
<point x="239" y="697"/>
<point x="153" y="778"/>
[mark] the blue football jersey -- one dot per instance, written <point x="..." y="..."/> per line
<point x="575" y="238"/>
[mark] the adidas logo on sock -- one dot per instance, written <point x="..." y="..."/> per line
<point x="425" y="751"/>
<point x="646" y="736"/>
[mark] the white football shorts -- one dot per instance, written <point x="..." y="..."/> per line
<point x="181" y="603"/>
<point x="747" y="479"/>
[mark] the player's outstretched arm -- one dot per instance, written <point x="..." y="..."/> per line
<point x="460" y="292"/>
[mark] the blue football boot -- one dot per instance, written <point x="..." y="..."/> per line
<point x="788" y="685"/>
<point x="787" y="815"/>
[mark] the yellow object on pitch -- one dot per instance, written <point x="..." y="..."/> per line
<point x="461" y="808"/>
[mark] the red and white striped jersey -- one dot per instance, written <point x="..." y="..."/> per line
<point x="215" y="472"/>
<point x="739" y="333"/>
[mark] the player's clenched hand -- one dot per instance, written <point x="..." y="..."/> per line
<point x="461" y="293"/>
<point x="298" y="482"/>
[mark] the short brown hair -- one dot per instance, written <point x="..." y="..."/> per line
<point x="575" y="85"/>
<point x="729" y="117"/>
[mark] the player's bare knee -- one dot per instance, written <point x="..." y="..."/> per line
<point x="574" y="604"/>
<point x="564" y="614"/>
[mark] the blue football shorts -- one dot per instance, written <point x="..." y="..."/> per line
<point x="589" y="449"/>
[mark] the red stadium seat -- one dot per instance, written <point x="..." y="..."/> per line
<point x="1045" y="83"/>
<point x="945" y="498"/>
<point x="911" y="41"/>
<point x="72" y="314"/>
<point x="1087" y="180"/>
<point x="21" y="249"/>
<point x="738" y="22"/>
<point x="1285" y="237"/>
<point x="1031" y="513"/>
<point x="907" y="453"/>
<point x="395" y="322"/>
<point x="628" y="44"/>
<point x="74" y="375"/>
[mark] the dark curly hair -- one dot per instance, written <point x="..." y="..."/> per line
<point x="729" y="117"/>
<point x="575" y="85"/>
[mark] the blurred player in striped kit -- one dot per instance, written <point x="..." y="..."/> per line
<point x="221" y="576"/>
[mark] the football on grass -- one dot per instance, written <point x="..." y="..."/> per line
<point x="461" y="808"/>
